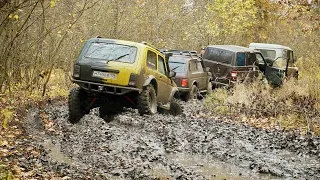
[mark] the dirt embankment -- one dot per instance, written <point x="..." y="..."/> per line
<point x="161" y="147"/>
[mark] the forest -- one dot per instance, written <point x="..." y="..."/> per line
<point x="40" y="40"/>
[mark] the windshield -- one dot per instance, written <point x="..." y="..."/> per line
<point x="111" y="52"/>
<point x="177" y="67"/>
<point x="280" y="63"/>
<point x="268" y="53"/>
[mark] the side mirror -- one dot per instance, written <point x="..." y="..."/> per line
<point x="208" y="69"/>
<point x="172" y="74"/>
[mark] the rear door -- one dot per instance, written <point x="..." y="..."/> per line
<point x="219" y="61"/>
<point x="108" y="63"/>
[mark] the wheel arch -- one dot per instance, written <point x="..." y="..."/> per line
<point x="194" y="82"/>
<point x="151" y="80"/>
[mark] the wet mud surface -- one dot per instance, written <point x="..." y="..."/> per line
<point x="165" y="147"/>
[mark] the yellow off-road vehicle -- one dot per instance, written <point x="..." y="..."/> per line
<point x="113" y="74"/>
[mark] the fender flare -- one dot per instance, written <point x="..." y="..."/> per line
<point x="174" y="91"/>
<point x="195" y="82"/>
<point x="148" y="82"/>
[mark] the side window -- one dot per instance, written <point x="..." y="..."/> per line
<point x="251" y="58"/>
<point x="161" y="65"/>
<point x="152" y="60"/>
<point x="241" y="59"/>
<point x="192" y="66"/>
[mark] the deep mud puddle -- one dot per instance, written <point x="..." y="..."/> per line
<point x="213" y="169"/>
<point x="167" y="147"/>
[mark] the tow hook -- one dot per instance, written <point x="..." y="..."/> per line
<point x="92" y="102"/>
<point x="129" y="100"/>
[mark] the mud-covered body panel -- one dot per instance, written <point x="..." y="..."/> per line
<point x="190" y="70"/>
<point x="118" y="67"/>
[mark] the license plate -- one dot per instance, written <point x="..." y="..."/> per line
<point x="104" y="75"/>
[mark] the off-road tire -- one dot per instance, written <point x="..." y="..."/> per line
<point x="175" y="108"/>
<point x="194" y="92"/>
<point x="186" y="97"/>
<point x="147" y="101"/>
<point x="76" y="103"/>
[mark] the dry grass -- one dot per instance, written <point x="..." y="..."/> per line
<point x="295" y="105"/>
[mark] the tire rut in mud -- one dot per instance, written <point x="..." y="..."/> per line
<point x="174" y="147"/>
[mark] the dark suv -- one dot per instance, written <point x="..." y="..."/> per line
<point x="192" y="77"/>
<point x="230" y="64"/>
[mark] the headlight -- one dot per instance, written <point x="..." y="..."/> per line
<point x="76" y="71"/>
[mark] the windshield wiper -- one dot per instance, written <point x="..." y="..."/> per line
<point x="174" y="68"/>
<point x="119" y="57"/>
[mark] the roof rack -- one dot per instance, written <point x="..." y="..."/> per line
<point x="148" y="44"/>
<point x="176" y="51"/>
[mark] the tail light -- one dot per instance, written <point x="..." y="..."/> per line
<point x="184" y="82"/>
<point x="133" y="79"/>
<point x="234" y="75"/>
<point x="76" y="71"/>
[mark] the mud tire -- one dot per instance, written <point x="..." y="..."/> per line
<point x="194" y="92"/>
<point x="186" y="97"/>
<point x="175" y="108"/>
<point x="147" y="101"/>
<point x="77" y="107"/>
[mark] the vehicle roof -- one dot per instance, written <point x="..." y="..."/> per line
<point x="232" y="48"/>
<point x="186" y="57"/>
<point x="269" y="46"/>
<point x="118" y="41"/>
<point x="178" y="51"/>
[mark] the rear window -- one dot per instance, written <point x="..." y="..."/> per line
<point x="241" y="59"/>
<point x="177" y="67"/>
<point x="218" y="55"/>
<point x="111" y="51"/>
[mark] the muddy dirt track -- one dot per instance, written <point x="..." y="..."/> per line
<point x="164" y="147"/>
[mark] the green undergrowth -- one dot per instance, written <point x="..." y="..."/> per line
<point x="294" y="105"/>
